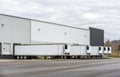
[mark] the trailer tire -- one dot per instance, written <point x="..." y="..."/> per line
<point x="18" y="57"/>
<point x="25" y="57"/>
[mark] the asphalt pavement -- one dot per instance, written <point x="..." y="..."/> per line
<point x="60" y="68"/>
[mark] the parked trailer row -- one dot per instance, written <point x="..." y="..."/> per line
<point x="100" y="49"/>
<point x="60" y="50"/>
<point x="90" y="51"/>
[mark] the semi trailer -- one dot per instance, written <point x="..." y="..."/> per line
<point x="78" y="50"/>
<point x="25" y="51"/>
<point x="93" y="50"/>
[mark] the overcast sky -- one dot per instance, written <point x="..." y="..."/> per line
<point x="103" y="14"/>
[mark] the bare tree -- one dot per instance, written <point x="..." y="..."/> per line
<point x="107" y="43"/>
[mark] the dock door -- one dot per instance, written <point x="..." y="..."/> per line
<point x="0" y="48"/>
<point x="6" y="49"/>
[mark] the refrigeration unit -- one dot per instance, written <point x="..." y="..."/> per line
<point x="6" y="49"/>
<point x="109" y="50"/>
<point x="106" y="50"/>
<point x="101" y="49"/>
<point x="88" y="50"/>
<point x="66" y="49"/>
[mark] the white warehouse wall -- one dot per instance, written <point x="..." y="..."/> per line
<point x="80" y="36"/>
<point x="14" y="30"/>
<point x="52" y="33"/>
<point x="49" y="33"/>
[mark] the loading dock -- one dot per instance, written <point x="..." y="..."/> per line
<point x="6" y="50"/>
<point x="24" y="31"/>
<point x="0" y="48"/>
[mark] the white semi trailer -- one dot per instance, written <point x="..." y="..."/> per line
<point x="38" y="50"/>
<point x="95" y="51"/>
<point x="32" y="50"/>
<point x="78" y="50"/>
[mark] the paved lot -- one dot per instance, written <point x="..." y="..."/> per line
<point x="60" y="68"/>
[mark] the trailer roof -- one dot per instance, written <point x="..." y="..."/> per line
<point x="43" y="21"/>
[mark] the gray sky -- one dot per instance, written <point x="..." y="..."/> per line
<point x="104" y="14"/>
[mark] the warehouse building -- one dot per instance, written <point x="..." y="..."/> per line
<point x="24" y="31"/>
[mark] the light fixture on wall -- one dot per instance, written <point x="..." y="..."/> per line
<point x="38" y="29"/>
<point x="65" y="33"/>
<point x="2" y="25"/>
<point x="85" y="35"/>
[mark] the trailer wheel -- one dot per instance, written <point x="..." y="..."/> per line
<point x="17" y="57"/>
<point x="64" y="57"/>
<point x="25" y="57"/>
<point x="61" y="57"/>
<point x="21" y="57"/>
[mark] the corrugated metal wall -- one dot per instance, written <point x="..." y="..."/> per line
<point x="96" y="37"/>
